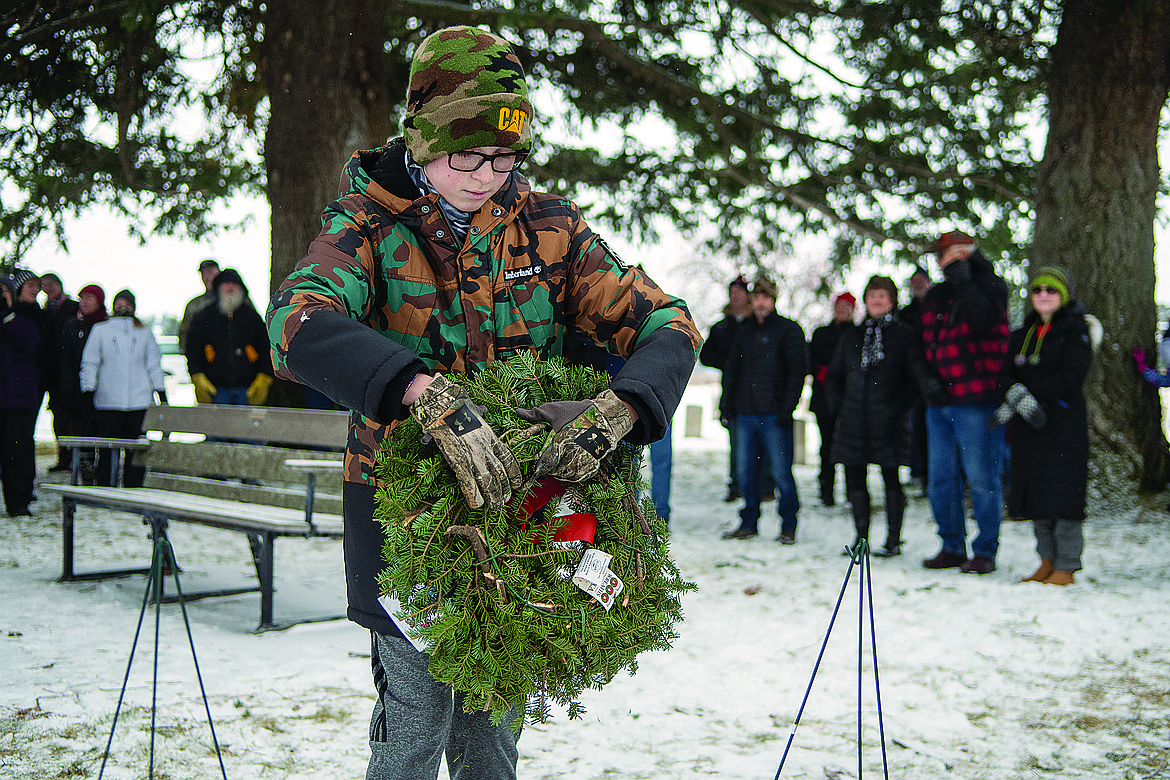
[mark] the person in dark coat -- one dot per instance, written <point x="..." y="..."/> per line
<point x="870" y="386"/>
<point x="1045" y="409"/>
<point x="821" y="347"/>
<point x="227" y="347"/>
<point x="28" y="287"/>
<point x="762" y="382"/>
<point x="919" y="285"/>
<point x="20" y="399"/>
<point x="76" y="406"/>
<point x="714" y="354"/>
<point x="61" y="309"/>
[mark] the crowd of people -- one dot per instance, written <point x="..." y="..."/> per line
<point x="100" y="368"/>
<point x="979" y="413"/>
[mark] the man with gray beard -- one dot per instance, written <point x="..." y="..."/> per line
<point x="227" y="347"/>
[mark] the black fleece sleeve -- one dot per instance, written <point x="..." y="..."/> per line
<point x="653" y="380"/>
<point x="352" y="365"/>
<point x="795" y="352"/>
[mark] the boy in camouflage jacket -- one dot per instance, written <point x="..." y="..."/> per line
<point x="440" y="258"/>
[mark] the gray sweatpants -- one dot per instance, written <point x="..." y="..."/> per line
<point x="417" y="719"/>
<point x="1060" y="541"/>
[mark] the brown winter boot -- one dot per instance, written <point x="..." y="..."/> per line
<point x="1041" y="574"/>
<point x="1059" y="578"/>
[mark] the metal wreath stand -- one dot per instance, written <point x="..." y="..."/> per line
<point x="859" y="557"/>
<point x="162" y="561"/>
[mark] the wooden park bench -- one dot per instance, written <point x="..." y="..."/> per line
<point x="241" y="468"/>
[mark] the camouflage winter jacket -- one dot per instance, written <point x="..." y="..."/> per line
<point x="386" y="292"/>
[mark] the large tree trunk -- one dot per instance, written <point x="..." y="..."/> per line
<point x="1095" y="206"/>
<point x="324" y="67"/>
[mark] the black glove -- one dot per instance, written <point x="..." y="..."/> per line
<point x="934" y="393"/>
<point x="86" y="403"/>
<point x="162" y="397"/>
<point x="587" y="432"/>
<point x="486" y="470"/>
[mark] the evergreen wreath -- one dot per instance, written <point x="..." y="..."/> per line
<point x="490" y="592"/>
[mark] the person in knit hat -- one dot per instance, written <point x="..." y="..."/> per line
<point x="76" y="408"/>
<point x="871" y="383"/>
<point x="440" y="258"/>
<point x="122" y="367"/>
<point x="1049" y="358"/>
<point x="820" y="353"/>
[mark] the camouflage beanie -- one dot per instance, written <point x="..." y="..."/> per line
<point x="467" y="89"/>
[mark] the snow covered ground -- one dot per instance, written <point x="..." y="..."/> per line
<point x="981" y="677"/>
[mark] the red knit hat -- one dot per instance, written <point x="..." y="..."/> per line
<point x="846" y="297"/>
<point x="95" y="291"/>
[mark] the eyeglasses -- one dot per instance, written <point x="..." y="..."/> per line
<point x="1043" y="288"/>
<point x="469" y="161"/>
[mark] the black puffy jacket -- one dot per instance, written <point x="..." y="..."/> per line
<point x="873" y="406"/>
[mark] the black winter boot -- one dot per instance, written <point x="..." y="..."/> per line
<point x="859" y="503"/>
<point x="895" y="511"/>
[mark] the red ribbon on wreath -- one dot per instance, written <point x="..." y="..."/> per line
<point x="578" y="527"/>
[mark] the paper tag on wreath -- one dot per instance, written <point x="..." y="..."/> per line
<point x="594" y="577"/>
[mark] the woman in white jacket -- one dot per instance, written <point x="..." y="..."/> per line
<point x="122" y="367"/>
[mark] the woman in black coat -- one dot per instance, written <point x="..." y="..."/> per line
<point x="1050" y="357"/>
<point x="871" y="384"/>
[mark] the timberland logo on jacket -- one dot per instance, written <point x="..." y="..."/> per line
<point x="512" y="274"/>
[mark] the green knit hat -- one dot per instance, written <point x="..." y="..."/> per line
<point x="1056" y="276"/>
<point x="467" y="89"/>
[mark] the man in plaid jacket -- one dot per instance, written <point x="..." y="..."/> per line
<point x="965" y="338"/>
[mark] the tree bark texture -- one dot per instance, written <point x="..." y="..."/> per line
<point x="324" y="68"/>
<point x="1096" y="191"/>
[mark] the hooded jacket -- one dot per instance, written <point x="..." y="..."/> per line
<point x="122" y="365"/>
<point x="229" y="349"/>
<point x="386" y="292"/>
<point x="387" y="279"/>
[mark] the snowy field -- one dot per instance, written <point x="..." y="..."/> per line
<point x="981" y="677"/>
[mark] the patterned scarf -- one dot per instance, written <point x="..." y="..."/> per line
<point x="458" y="221"/>
<point x="871" y="347"/>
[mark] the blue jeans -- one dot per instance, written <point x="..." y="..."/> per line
<point x="759" y="435"/>
<point x="233" y="396"/>
<point x="960" y="445"/>
<point x="661" y="456"/>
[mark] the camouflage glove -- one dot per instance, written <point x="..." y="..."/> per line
<point x="486" y="470"/>
<point x="1026" y="405"/>
<point x="587" y="431"/>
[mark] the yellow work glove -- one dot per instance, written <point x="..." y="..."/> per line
<point x="258" y="390"/>
<point x="204" y="390"/>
